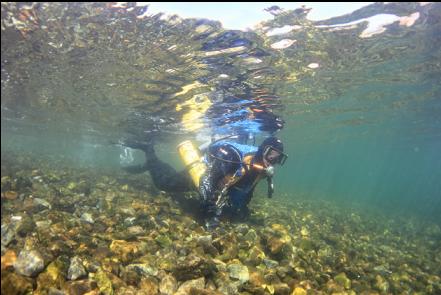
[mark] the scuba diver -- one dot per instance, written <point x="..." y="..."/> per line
<point x="225" y="176"/>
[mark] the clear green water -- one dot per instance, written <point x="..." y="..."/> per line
<point x="362" y="128"/>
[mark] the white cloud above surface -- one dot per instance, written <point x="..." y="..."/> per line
<point x="246" y="15"/>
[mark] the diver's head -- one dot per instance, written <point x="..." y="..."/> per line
<point x="270" y="152"/>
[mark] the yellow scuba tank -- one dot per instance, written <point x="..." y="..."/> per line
<point x="192" y="159"/>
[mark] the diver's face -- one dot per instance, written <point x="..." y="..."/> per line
<point x="271" y="158"/>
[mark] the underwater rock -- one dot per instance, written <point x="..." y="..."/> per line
<point x="251" y="236"/>
<point x="304" y="232"/>
<point x="143" y="269"/>
<point x="275" y="245"/>
<point x="6" y="182"/>
<point x="8" y="259"/>
<point x="381" y="269"/>
<point x="125" y="250"/>
<point x="76" y="269"/>
<point x="205" y="240"/>
<point x="281" y="289"/>
<point x="164" y="241"/>
<point x="29" y="263"/>
<point x="12" y="283"/>
<point x="306" y="244"/>
<point x="87" y="217"/>
<point x="343" y="280"/>
<point x="9" y="230"/>
<point x="257" y="218"/>
<point x="227" y="246"/>
<point x="79" y="287"/>
<point x="381" y="284"/>
<point x="299" y="291"/>
<point x="271" y="277"/>
<point x="149" y="285"/>
<point x="41" y="203"/>
<point x="71" y="186"/>
<point x="130" y="277"/>
<point x="238" y="271"/>
<point x="330" y="251"/>
<point x="256" y="278"/>
<point x="207" y="244"/>
<point x="43" y="224"/>
<point x="26" y="226"/>
<point x="8" y="233"/>
<point x="168" y="285"/>
<point x="135" y="230"/>
<point x="225" y="286"/>
<point x="188" y="286"/>
<point x="277" y="238"/>
<point x="220" y="265"/>
<point x="104" y="283"/>
<point x="129" y="221"/>
<point x="270" y="263"/>
<point x="10" y="195"/>
<point x="59" y="247"/>
<point x="51" y="279"/>
<point x="54" y="291"/>
<point x="129" y="290"/>
<point x="242" y="228"/>
<point x="192" y="267"/>
<point x="283" y="271"/>
<point x="255" y="256"/>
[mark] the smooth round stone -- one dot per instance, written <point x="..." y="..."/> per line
<point x="29" y="263"/>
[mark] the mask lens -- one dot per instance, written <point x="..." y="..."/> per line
<point x="274" y="156"/>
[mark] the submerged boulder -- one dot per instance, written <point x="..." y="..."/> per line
<point x="29" y="263"/>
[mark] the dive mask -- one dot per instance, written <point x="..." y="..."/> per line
<point x="274" y="156"/>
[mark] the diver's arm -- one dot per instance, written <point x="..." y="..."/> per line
<point x="214" y="183"/>
<point x="136" y="169"/>
<point x="270" y="186"/>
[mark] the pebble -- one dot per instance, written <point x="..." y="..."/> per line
<point x="76" y="269"/>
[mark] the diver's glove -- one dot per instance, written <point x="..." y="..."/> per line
<point x="222" y="199"/>
<point x="212" y="223"/>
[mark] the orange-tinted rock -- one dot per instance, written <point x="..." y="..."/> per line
<point x="10" y="195"/>
<point x="8" y="259"/>
<point x="256" y="279"/>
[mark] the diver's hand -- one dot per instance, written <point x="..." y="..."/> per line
<point x="212" y="223"/>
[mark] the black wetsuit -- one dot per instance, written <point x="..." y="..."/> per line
<point x="164" y="176"/>
<point x="222" y="159"/>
